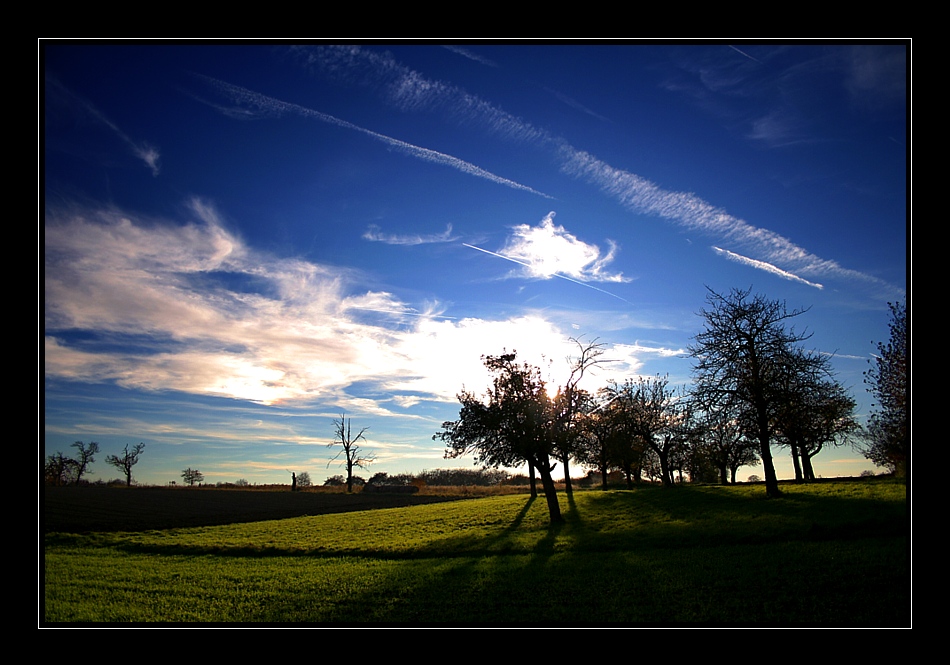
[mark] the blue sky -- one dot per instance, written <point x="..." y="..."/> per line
<point x="244" y="241"/>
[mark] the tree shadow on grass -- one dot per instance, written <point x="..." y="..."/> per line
<point x="650" y="556"/>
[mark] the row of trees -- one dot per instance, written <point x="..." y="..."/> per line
<point x="755" y="386"/>
<point x="60" y="469"/>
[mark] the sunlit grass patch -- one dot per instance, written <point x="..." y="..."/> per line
<point x="826" y="554"/>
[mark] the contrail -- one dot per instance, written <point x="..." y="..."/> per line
<point x="400" y="313"/>
<point x="742" y="53"/>
<point x="278" y="107"/>
<point x="762" y="265"/>
<point x="632" y="191"/>
<point x="143" y="150"/>
<point x="528" y="265"/>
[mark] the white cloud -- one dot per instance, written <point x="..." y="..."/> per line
<point x="190" y="307"/>
<point x="375" y="234"/>
<point x="548" y="250"/>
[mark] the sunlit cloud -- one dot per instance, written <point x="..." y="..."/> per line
<point x="375" y="234"/>
<point x="548" y="249"/>
<point x="271" y="107"/>
<point x="762" y="265"/>
<point x="558" y="275"/>
<point x="57" y="93"/>
<point x="192" y="308"/>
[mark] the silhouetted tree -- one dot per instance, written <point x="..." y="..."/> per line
<point x="192" y="476"/>
<point x="598" y="430"/>
<point x="815" y="413"/>
<point x="659" y="417"/>
<point x="718" y="437"/>
<point x="887" y="440"/>
<point x="303" y="479"/>
<point x="626" y="448"/>
<point x="512" y="426"/>
<point x="741" y="357"/>
<point x="84" y="459"/>
<point x="128" y="459"/>
<point x="353" y="455"/>
<point x="571" y="402"/>
<point x="59" y="469"/>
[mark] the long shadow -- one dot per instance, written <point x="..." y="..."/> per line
<point x="585" y="570"/>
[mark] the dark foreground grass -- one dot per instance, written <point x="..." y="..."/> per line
<point x="826" y="554"/>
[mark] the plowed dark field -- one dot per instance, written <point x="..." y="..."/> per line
<point x="82" y="509"/>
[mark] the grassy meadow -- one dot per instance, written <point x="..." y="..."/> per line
<point x="826" y="554"/>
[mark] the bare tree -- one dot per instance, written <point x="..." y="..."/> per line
<point x="626" y="449"/>
<point x="814" y="414"/>
<point x="598" y="433"/>
<point x="354" y="457"/>
<point x="571" y="402"/>
<point x="192" y="476"/>
<point x="303" y="479"/>
<point x="126" y="461"/>
<point x="719" y="437"/>
<point x="85" y="458"/>
<point x="742" y="357"/>
<point x="59" y="470"/>
<point x="660" y="417"/>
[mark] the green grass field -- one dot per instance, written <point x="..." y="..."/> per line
<point x="827" y="554"/>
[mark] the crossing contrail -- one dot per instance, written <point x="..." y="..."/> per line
<point x="528" y="265"/>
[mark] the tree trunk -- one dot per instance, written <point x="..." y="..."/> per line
<point x="550" y="492"/>
<point x="798" y="468"/>
<point x="533" y="482"/>
<point x="567" y="477"/>
<point x="666" y="474"/>
<point x="809" y="470"/>
<point x="771" y="480"/>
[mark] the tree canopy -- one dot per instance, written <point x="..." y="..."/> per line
<point x="747" y="357"/>
<point x="192" y="476"/>
<point x="888" y="443"/>
<point x="512" y="426"/>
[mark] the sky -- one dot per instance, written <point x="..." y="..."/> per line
<point x="241" y="242"/>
